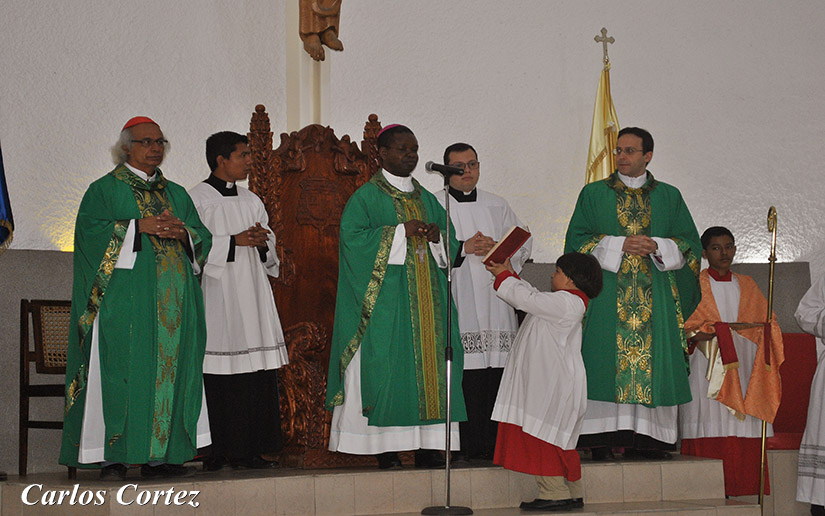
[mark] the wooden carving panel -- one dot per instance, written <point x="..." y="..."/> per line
<point x="304" y="184"/>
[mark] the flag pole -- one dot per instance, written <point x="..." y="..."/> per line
<point x="605" y="128"/>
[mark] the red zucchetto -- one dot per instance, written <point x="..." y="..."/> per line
<point x="138" y="120"/>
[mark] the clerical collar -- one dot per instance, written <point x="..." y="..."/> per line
<point x="225" y="188"/>
<point x="141" y="174"/>
<point x="579" y="293"/>
<point x="715" y="275"/>
<point x="461" y="196"/>
<point x="633" y="182"/>
<point x="404" y="184"/>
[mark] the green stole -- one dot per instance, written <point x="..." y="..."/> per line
<point x="151" y="199"/>
<point x="426" y="310"/>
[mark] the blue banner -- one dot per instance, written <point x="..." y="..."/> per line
<point x="6" y="219"/>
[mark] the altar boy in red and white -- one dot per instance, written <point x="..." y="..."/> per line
<point x="543" y="393"/>
<point x="741" y="386"/>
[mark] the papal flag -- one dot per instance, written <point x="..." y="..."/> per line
<point x="600" y="160"/>
<point x="6" y="220"/>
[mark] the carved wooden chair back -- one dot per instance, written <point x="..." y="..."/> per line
<point x="304" y="184"/>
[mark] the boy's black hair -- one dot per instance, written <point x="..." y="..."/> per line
<point x="584" y="270"/>
<point x="715" y="231"/>
<point x="222" y="144"/>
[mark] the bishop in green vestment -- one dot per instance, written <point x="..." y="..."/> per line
<point x="640" y="229"/>
<point x="390" y="315"/>
<point x="136" y="298"/>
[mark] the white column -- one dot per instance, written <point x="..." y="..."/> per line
<point x="307" y="80"/>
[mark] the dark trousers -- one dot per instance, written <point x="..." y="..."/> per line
<point x="244" y="414"/>
<point x="478" y="433"/>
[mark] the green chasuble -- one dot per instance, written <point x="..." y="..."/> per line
<point x="152" y="332"/>
<point x="395" y="314"/>
<point x="633" y="341"/>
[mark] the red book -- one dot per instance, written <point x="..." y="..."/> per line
<point x="507" y="246"/>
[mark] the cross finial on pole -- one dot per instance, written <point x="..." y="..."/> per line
<point x="604" y="40"/>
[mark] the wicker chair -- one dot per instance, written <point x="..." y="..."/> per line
<point x="49" y="334"/>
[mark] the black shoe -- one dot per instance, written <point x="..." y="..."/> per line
<point x="429" y="459"/>
<point x="601" y="453"/>
<point x="817" y="510"/>
<point x="214" y="463"/>
<point x="259" y="462"/>
<point x="578" y="503"/>
<point x="548" y="505"/>
<point x="458" y="458"/>
<point x="166" y="471"/>
<point x="388" y="460"/>
<point x="114" y="472"/>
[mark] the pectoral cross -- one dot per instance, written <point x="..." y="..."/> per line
<point x="421" y="251"/>
<point x="604" y="40"/>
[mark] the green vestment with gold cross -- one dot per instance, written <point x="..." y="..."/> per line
<point x="395" y="314"/>
<point x="151" y="327"/>
<point x="633" y="342"/>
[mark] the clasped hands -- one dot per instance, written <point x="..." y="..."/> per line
<point x="255" y="236"/>
<point x="429" y="231"/>
<point x="478" y="244"/>
<point x="641" y="245"/>
<point x="164" y="225"/>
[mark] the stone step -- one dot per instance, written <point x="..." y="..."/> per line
<point x="682" y="486"/>
<point x="673" y="508"/>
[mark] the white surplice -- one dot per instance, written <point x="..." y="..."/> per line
<point x="544" y="386"/>
<point x="350" y="431"/>
<point x="244" y="332"/>
<point x="810" y="486"/>
<point x="488" y="325"/>
<point x="705" y="417"/>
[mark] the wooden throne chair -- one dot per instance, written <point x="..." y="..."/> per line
<point x="304" y="185"/>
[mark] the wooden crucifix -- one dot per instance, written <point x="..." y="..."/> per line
<point x="604" y="40"/>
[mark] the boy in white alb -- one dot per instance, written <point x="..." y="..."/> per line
<point x="731" y="398"/>
<point x="543" y="393"/>
<point x="244" y="342"/>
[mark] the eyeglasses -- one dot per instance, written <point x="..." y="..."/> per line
<point x="472" y="165"/>
<point x="627" y="150"/>
<point x="148" y="142"/>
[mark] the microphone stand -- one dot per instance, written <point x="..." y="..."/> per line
<point x="447" y="509"/>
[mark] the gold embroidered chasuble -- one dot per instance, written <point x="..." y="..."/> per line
<point x="633" y="345"/>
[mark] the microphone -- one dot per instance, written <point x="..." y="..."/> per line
<point x="447" y="170"/>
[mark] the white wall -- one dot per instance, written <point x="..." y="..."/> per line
<point x="71" y="74"/>
<point x="730" y="91"/>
